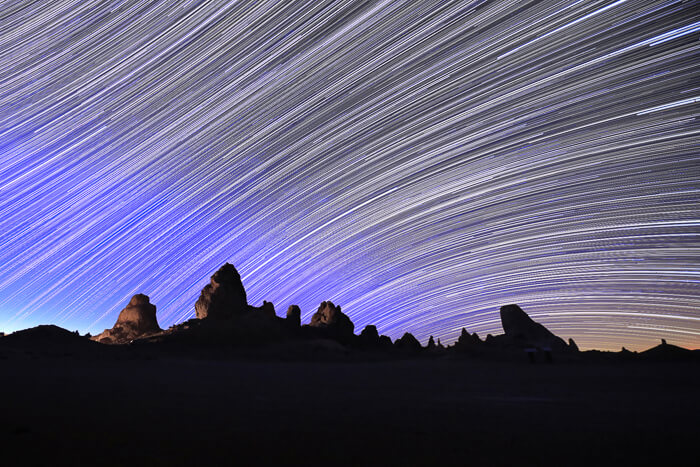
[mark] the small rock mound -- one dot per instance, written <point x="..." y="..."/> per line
<point x="224" y="296"/>
<point x="137" y="320"/>
<point x="267" y="309"/>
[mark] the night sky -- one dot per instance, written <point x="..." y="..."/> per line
<point x="421" y="163"/>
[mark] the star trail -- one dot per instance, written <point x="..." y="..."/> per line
<point x="420" y="163"/>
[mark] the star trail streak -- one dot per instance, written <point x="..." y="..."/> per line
<point x="419" y="162"/>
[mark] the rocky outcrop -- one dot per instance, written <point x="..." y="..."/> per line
<point x="572" y="345"/>
<point x="137" y="320"/>
<point x="408" y="342"/>
<point x="333" y="322"/>
<point x="267" y="309"/>
<point x="293" y="319"/>
<point x="370" y="334"/>
<point x="369" y="337"/>
<point x="385" y="342"/>
<point x="666" y="351"/>
<point x="467" y="340"/>
<point x="522" y="331"/>
<point x="224" y="296"/>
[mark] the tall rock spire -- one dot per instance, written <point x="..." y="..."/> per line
<point x="224" y="296"/>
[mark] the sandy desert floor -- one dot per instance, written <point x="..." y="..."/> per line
<point x="180" y="411"/>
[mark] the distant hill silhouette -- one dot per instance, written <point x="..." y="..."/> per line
<point x="48" y="339"/>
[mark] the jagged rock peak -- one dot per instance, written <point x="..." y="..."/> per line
<point x="224" y="296"/>
<point x="329" y="317"/>
<point x="138" y="319"/>
<point x="466" y="339"/>
<point x="408" y="342"/>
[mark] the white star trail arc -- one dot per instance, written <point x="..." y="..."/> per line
<point x="419" y="162"/>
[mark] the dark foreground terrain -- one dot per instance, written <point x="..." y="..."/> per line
<point x="136" y="410"/>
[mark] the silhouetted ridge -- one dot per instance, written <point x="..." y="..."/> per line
<point x="665" y="351"/>
<point x="226" y="320"/>
<point x="49" y="339"/>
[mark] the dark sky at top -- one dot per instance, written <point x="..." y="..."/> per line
<point x="419" y="162"/>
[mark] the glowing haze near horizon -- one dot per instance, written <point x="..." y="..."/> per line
<point x="420" y="163"/>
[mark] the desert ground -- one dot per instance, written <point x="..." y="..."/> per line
<point x="136" y="409"/>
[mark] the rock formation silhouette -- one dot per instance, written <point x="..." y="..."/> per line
<point x="226" y="320"/>
<point x="293" y="316"/>
<point x="408" y="342"/>
<point x="137" y="320"/>
<point x="333" y="322"/>
<point x="224" y="296"/>
<point x="369" y="337"/>
<point x="522" y="331"/>
<point x="385" y="342"/>
<point x="666" y="351"/>
<point x="467" y="342"/>
<point x="267" y="308"/>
